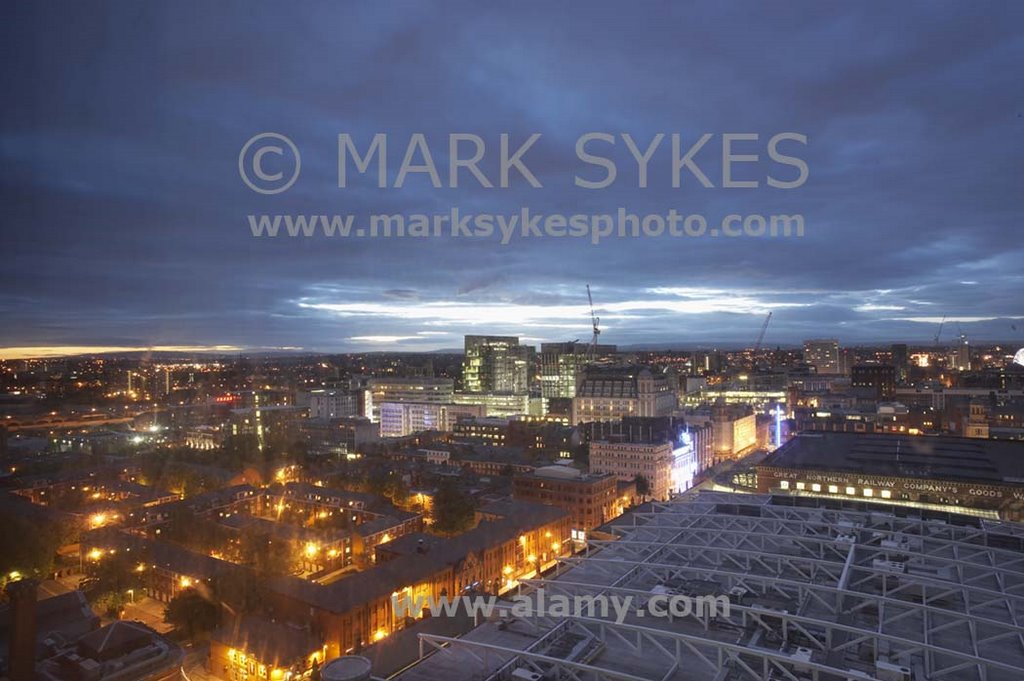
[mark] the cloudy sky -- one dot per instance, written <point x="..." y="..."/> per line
<point x="124" y="217"/>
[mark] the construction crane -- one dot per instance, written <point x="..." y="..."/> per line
<point x="760" y="336"/>
<point x="939" y="332"/>
<point x="595" y="320"/>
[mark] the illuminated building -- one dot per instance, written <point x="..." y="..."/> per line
<point x="492" y="558"/>
<point x="399" y="419"/>
<point x="877" y="381"/>
<point x="981" y="477"/>
<point x="962" y="357"/>
<point x="654" y="461"/>
<point x="332" y="404"/>
<point x="613" y="394"/>
<point x="257" y="648"/>
<point x="823" y="355"/>
<point x="977" y="422"/>
<point x="563" y="365"/>
<point x="734" y="427"/>
<point x="496" y="364"/>
<point x="502" y="404"/>
<point x="421" y="390"/>
<point x="492" y="430"/>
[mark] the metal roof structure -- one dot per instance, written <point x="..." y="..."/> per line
<point x="817" y="589"/>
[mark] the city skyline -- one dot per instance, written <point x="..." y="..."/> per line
<point x="125" y="215"/>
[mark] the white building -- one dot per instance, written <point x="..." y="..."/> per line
<point x="399" y="419"/>
<point x="333" y="404"/>
<point x="612" y="394"/>
<point x="626" y="460"/>
<point x="423" y="390"/>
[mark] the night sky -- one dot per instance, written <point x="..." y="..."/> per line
<point x="124" y="216"/>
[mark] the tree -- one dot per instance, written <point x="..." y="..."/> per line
<point x="267" y="557"/>
<point x="192" y="614"/>
<point x="28" y="547"/>
<point x="453" y="511"/>
<point x="643" y="487"/>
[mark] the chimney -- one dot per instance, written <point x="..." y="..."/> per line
<point x="22" y="652"/>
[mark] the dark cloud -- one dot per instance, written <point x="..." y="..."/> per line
<point x="124" y="218"/>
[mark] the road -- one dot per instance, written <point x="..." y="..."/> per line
<point x="149" y="611"/>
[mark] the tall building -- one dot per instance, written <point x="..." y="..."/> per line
<point x="497" y="364"/>
<point x="429" y="390"/>
<point x="963" y="355"/>
<point x="563" y="365"/>
<point x="823" y="355"/>
<point x="612" y="394"/>
<point x="900" y="361"/>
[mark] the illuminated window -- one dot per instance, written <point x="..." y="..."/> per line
<point x="815" y="487"/>
<point x="868" y="492"/>
<point x="886" y="494"/>
<point x="784" y="484"/>
<point x="833" y="489"/>
<point x="850" y="490"/>
<point x="800" y="485"/>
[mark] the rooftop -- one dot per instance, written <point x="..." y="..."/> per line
<point x="272" y="643"/>
<point x="506" y="521"/>
<point x="817" y="588"/>
<point x="943" y="457"/>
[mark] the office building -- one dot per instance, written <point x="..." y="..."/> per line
<point x="962" y="356"/>
<point x="333" y="403"/>
<point x="502" y="404"/>
<point x="399" y="419"/>
<point x="900" y="361"/>
<point x="613" y="394"/>
<point x="563" y="366"/>
<point x="823" y="355"/>
<point x="876" y="381"/>
<point x="422" y="390"/>
<point x="497" y="364"/>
